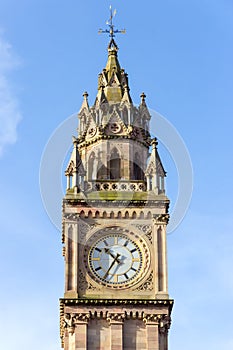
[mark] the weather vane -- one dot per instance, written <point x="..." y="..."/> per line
<point x="111" y="31"/>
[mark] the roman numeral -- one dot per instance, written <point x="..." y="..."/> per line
<point x="126" y="276"/>
<point x="98" y="268"/>
<point x="106" y="243"/>
<point x="98" y="250"/>
<point x="133" y="250"/>
<point x="132" y="268"/>
<point x="126" y="243"/>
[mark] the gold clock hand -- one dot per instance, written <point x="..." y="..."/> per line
<point x="113" y="262"/>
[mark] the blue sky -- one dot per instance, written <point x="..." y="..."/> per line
<point x="180" y="53"/>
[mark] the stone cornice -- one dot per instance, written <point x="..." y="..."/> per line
<point x="116" y="203"/>
<point x="123" y="302"/>
<point x="85" y="143"/>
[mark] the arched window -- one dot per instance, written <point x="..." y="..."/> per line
<point x="115" y="165"/>
<point x="101" y="172"/>
<point x="90" y="165"/>
<point x="137" y="170"/>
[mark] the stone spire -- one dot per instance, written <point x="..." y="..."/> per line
<point x="113" y="80"/>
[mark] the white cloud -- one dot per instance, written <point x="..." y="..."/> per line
<point x="9" y="110"/>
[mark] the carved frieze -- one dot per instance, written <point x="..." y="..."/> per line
<point x="151" y="318"/>
<point x="81" y="318"/>
<point x="115" y="317"/>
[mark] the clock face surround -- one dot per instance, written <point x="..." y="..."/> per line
<point x="116" y="257"/>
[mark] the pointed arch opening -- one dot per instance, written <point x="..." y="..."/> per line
<point x="114" y="165"/>
<point x="91" y="165"/>
<point x="119" y="215"/>
<point x="101" y="172"/>
<point x="138" y="173"/>
<point x="82" y="214"/>
<point x="141" y="215"/>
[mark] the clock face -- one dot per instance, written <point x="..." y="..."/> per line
<point x="115" y="259"/>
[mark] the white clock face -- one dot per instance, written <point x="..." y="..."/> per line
<point x="115" y="259"/>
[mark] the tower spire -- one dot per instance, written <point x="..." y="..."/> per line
<point x="113" y="79"/>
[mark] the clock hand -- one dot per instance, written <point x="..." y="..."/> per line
<point x="113" y="262"/>
<point x="110" y="253"/>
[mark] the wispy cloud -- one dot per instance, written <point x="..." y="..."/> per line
<point x="9" y="110"/>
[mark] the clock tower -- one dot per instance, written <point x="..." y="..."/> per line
<point x="115" y="214"/>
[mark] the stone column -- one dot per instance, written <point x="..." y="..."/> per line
<point x="164" y="326"/>
<point x="164" y="258"/>
<point x="66" y="340"/>
<point x="75" y="178"/>
<point x="69" y="328"/>
<point x="81" y="322"/>
<point x="116" y="321"/>
<point x="67" y="181"/>
<point x="148" y="183"/>
<point x="152" y="331"/>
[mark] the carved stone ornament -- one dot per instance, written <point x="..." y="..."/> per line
<point x="148" y="284"/>
<point x="162" y="218"/>
<point x="83" y="229"/>
<point x="81" y="318"/>
<point x="164" y="324"/>
<point x="147" y="230"/>
<point x="70" y="320"/>
<point x="151" y="318"/>
<point x="69" y="323"/>
<point x="91" y="132"/>
<point x="84" y="284"/>
<point x="115" y="127"/>
<point x="71" y="216"/>
<point x="115" y="317"/>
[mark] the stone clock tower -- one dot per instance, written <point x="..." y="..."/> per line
<point x="115" y="214"/>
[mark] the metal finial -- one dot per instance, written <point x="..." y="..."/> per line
<point x="111" y="31"/>
<point x="143" y="97"/>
